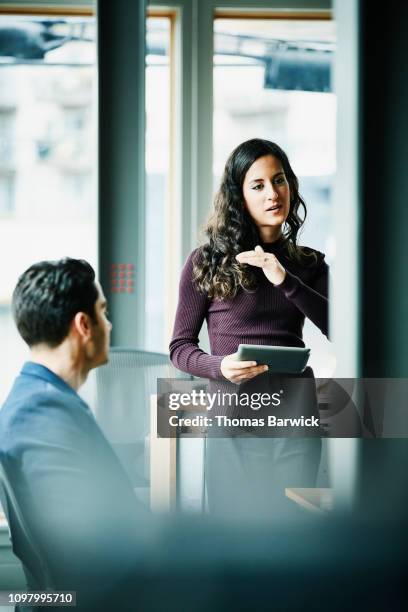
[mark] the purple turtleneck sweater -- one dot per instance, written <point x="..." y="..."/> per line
<point x="270" y="315"/>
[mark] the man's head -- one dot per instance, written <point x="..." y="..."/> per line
<point x="59" y="301"/>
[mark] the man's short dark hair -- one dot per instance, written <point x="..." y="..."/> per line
<point x="49" y="295"/>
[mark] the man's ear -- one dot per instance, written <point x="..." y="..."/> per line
<point x="82" y="325"/>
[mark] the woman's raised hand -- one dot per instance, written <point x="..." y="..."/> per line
<point x="273" y="269"/>
<point x="238" y="371"/>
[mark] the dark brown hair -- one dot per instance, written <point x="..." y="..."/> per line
<point x="230" y="229"/>
<point x="47" y="297"/>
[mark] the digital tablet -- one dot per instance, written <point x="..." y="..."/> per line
<point x="280" y="359"/>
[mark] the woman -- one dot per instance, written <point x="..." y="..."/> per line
<point x="253" y="284"/>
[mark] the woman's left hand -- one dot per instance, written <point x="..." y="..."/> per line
<point x="273" y="269"/>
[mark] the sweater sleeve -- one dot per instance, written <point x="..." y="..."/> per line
<point x="185" y="353"/>
<point x="312" y="298"/>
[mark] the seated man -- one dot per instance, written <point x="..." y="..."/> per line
<point x="74" y="494"/>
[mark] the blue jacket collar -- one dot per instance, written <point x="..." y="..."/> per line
<point x="35" y="369"/>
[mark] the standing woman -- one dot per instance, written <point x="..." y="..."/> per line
<point x="253" y="284"/>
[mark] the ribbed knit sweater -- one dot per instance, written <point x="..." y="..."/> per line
<point x="269" y="315"/>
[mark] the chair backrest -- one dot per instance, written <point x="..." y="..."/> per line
<point x="123" y="389"/>
<point x="120" y="400"/>
<point x="35" y="569"/>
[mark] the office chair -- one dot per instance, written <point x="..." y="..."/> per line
<point x="37" y="573"/>
<point x="119" y="395"/>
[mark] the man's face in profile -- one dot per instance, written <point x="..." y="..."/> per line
<point x="98" y="353"/>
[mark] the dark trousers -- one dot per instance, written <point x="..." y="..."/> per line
<point x="246" y="477"/>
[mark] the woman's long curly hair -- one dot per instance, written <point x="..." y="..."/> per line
<point x="230" y="229"/>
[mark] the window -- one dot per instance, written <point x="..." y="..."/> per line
<point x="48" y="205"/>
<point x="47" y="155"/>
<point x="157" y="177"/>
<point x="272" y="79"/>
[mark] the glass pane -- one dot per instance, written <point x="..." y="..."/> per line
<point x="47" y="155"/>
<point x="48" y="203"/>
<point x="157" y="177"/>
<point x="272" y="80"/>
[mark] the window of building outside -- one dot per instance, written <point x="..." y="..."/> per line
<point x="47" y="155"/>
<point x="48" y="204"/>
<point x="157" y="178"/>
<point x="272" y="80"/>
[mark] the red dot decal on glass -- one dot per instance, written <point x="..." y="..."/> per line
<point x="122" y="278"/>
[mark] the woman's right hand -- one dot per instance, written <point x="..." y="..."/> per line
<point x="239" y="371"/>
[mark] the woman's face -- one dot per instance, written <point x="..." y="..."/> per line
<point x="267" y="194"/>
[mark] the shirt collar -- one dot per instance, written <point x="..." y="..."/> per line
<point x="35" y="369"/>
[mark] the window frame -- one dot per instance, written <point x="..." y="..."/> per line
<point x="191" y="145"/>
<point x="191" y="108"/>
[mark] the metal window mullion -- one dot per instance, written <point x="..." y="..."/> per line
<point x="121" y="173"/>
<point x="202" y="128"/>
<point x="191" y="149"/>
<point x="195" y="112"/>
<point x="345" y="292"/>
<point x="180" y="208"/>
